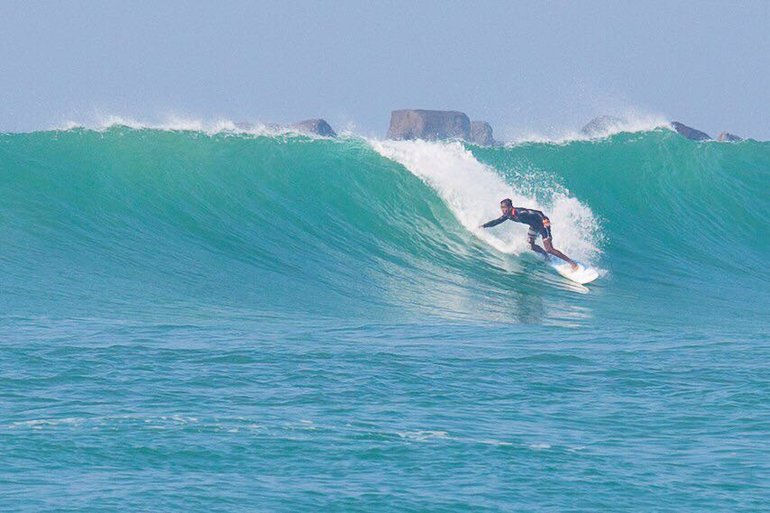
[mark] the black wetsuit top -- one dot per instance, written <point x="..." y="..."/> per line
<point x="537" y="221"/>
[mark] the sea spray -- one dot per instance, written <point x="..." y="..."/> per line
<point x="473" y="192"/>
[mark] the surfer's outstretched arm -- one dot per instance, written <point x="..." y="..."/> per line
<point x="494" y="222"/>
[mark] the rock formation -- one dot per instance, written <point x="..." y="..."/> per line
<point x="601" y="125"/>
<point x="315" y="126"/>
<point x="481" y="134"/>
<point x="728" y="137"/>
<point x="309" y="126"/>
<point x="690" y="133"/>
<point x="431" y="125"/>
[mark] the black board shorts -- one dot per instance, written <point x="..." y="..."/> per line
<point x="543" y="231"/>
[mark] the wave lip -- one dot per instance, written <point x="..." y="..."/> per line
<point x="600" y="127"/>
<point x="182" y="124"/>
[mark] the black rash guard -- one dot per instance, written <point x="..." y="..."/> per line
<point x="538" y="223"/>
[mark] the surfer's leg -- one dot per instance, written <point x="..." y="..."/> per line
<point x="538" y="249"/>
<point x="552" y="250"/>
<point x="531" y="235"/>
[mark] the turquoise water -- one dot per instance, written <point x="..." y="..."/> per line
<point x="240" y="322"/>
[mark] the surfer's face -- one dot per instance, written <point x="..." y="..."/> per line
<point x="504" y="209"/>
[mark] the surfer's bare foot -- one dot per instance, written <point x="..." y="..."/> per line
<point x="574" y="266"/>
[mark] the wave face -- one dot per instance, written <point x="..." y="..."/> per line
<point x="135" y="220"/>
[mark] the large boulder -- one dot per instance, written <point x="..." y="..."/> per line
<point x="601" y="125"/>
<point x="690" y="133"/>
<point x="481" y="133"/>
<point x="431" y="125"/>
<point x="309" y="126"/>
<point x="316" y="127"/>
<point x="728" y="137"/>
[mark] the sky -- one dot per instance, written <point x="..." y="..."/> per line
<point x="526" y="67"/>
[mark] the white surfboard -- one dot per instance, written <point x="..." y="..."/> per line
<point x="583" y="274"/>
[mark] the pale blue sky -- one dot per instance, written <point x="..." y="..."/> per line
<point x="523" y="66"/>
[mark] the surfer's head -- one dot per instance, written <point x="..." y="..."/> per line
<point x="506" y="205"/>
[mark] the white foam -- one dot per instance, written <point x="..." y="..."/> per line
<point x="41" y="423"/>
<point x="473" y="191"/>
<point x="499" y="443"/>
<point x="630" y="120"/>
<point x="176" y="123"/>
<point x="422" y="436"/>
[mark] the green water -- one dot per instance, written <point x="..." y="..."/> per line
<point x="235" y="322"/>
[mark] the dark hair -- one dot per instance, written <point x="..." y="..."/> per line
<point x="508" y="202"/>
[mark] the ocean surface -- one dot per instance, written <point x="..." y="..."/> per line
<point x="227" y="321"/>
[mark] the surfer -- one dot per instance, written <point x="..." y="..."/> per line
<point x="538" y="223"/>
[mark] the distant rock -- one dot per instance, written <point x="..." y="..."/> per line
<point x="309" y="126"/>
<point x="728" y="137"/>
<point x="601" y="125"/>
<point x="481" y="133"/>
<point x="316" y="127"/>
<point x="690" y="133"/>
<point x="431" y="125"/>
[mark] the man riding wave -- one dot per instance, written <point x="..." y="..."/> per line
<point x="538" y="224"/>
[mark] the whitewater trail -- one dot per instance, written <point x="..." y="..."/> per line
<point x="473" y="191"/>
